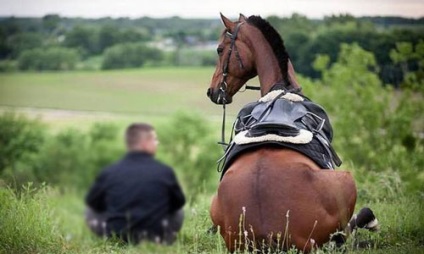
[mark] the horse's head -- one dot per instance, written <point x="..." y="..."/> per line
<point x="235" y="65"/>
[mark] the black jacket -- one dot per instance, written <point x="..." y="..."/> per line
<point x="136" y="194"/>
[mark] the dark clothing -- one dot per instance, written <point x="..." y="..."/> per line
<point x="135" y="195"/>
<point x="171" y="225"/>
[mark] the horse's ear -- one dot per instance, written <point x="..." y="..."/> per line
<point x="227" y="23"/>
<point x="242" y="18"/>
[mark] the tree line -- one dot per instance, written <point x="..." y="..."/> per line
<point x="59" y="43"/>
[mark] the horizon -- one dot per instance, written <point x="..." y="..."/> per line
<point x="209" y="18"/>
<point x="209" y="9"/>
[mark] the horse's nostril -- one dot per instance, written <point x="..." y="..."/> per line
<point x="208" y="92"/>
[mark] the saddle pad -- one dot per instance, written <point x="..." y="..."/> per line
<point x="314" y="150"/>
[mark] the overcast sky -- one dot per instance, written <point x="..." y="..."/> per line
<point x="209" y="8"/>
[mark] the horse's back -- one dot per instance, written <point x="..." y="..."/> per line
<point x="281" y="189"/>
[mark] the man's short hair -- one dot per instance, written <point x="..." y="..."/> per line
<point x="135" y="133"/>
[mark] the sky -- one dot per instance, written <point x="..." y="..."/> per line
<point x="209" y="8"/>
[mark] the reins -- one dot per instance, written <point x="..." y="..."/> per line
<point x="224" y="85"/>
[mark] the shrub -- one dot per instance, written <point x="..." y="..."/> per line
<point x="130" y="55"/>
<point x="20" y="139"/>
<point x="374" y="125"/>
<point x="55" y="58"/>
<point x="73" y="158"/>
<point x="188" y="144"/>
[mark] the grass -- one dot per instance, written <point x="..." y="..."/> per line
<point x="80" y="98"/>
<point x="149" y="91"/>
<point x="50" y="220"/>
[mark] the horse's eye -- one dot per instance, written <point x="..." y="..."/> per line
<point x="219" y="51"/>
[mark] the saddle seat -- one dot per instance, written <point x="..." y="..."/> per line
<point x="283" y="119"/>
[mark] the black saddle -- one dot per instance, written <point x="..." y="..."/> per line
<point x="286" y="118"/>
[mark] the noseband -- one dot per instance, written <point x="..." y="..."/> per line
<point x="223" y="86"/>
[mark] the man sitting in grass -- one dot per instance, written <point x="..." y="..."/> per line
<point x="137" y="198"/>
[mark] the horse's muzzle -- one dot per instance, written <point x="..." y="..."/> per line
<point x="218" y="96"/>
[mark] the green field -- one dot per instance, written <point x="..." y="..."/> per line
<point x="49" y="220"/>
<point x="156" y="91"/>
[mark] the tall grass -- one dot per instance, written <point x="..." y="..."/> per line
<point x="47" y="220"/>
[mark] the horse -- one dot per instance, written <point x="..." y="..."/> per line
<point x="274" y="197"/>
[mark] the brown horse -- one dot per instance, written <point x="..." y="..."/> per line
<point x="273" y="197"/>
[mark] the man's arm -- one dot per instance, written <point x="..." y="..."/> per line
<point x="177" y="195"/>
<point x="95" y="198"/>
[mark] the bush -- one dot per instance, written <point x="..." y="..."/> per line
<point x="130" y="55"/>
<point x="73" y="158"/>
<point x="20" y="139"/>
<point x="190" y="57"/>
<point x="374" y="125"/>
<point x="7" y="66"/>
<point x="55" y="58"/>
<point x="24" y="41"/>
<point x="188" y="144"/>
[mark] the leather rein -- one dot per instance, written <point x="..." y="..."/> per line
<point x="223" y="87"/>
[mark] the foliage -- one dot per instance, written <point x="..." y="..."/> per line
<point x="73" y="158"/>
<point x="20" y="138"/>
<point x="188" y="57"/>
<point x="406" y="54"/>
<point x="24" y="41"/>
<point x="54" y="58"/>
<point x="130" y="55"/>
<point x="374" y="126"/>
<point x="82" y="38"/>
<point x="187" y="144"/>
<point x="304" y="38"/>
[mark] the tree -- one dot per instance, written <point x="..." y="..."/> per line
<point x="83" y="38"/>
<point x="130" y="55"/>
<point x="24" y="41"/>
<point x="54" y="58"/>
<point x="406" y="54"/>
<point x="108" y="36"/>
<point x="50" y="22"/>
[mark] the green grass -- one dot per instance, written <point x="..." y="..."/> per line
<point x="150" y="91"/>
<point x="51" y="221"/>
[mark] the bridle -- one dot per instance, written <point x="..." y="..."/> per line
<point x="223" y="86"/>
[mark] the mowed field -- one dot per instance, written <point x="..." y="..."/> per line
<point x="139" y="93"/>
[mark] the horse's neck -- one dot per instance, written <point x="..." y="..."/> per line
<point x="267" y="68"/>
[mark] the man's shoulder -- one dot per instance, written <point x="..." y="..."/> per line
<point x="162" y="165"/>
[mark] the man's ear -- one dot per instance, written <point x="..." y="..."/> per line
<point x="227" y="23"/>
<point x="242" y="18"/>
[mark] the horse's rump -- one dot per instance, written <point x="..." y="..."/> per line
<point x="312" y="203"/>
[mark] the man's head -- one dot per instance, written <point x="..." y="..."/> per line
<point x="141" y="137"/>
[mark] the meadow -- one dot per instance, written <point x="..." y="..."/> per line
<point x="48" y="218"/>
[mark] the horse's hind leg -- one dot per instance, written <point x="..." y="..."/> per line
<point x="214" y="213"/>
<point x="364" y="219"/>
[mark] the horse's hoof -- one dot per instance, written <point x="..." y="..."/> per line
<point x="212" y="230"/>
<point x="367" y="220"/>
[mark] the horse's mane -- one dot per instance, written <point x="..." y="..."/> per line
<point x="275" y="41"/>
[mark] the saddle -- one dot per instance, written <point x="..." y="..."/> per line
<point x="283" y="119"/>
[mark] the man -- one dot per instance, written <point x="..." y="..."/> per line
<point x="137" y="198"/>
